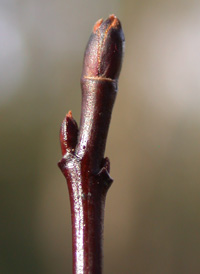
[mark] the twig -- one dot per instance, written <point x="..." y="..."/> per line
<point x="83" y="165"/>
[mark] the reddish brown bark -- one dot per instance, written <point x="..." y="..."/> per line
<point x="83" y="165"/>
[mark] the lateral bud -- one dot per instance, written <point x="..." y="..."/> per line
<point x="68" y="134"/>
<point x="104" y="175"/>
<point x="104" y="52"/>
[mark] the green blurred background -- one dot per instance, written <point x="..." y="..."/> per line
<point x="152" y="217"/>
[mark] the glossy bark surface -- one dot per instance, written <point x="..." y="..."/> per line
<point x="83" y="163"/>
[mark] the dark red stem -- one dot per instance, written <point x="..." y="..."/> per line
<point x="83" y="165"/>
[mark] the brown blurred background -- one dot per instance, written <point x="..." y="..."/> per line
<point x="152" y="217"/>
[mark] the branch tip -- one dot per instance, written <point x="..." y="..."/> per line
<point x="83" y="163"/>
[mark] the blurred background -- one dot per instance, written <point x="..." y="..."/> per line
<point x="152" y="217"/>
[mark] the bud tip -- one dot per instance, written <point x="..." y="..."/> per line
<point x="69" y="114"/>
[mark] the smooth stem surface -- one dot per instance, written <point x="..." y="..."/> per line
<point x="83" y="165"/>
